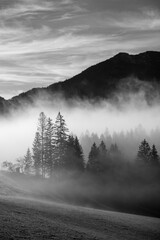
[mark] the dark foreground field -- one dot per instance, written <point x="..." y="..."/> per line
<point x="32" y="219"/>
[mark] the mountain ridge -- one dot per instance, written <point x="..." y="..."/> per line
<point x="99" y="81"/>
<point x="102" y="79"/>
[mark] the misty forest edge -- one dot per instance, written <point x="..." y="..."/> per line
<point x="55" y="151"/>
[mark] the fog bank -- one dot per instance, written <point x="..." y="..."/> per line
<point x="132" y="110"/>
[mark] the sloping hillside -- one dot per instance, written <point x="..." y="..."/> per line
<point x="29" y="219"/>
<point x="102" y="80"/>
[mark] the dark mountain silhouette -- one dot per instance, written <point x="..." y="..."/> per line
<point x="100" y="81"/>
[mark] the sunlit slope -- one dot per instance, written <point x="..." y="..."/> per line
<point x="30" y="219"/>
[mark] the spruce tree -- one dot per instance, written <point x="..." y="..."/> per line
<point x="144" y="152"/>
<point x="154" y="158"/>
<point x="28" y="162"/>
<point x="103" y="155"/>
<point x="60" y="139"/>
<point x="70" y="154"/>
<point x="103" y="150"/>
<point x="93" y="164"/>
<point x="74" y="160"/>
<point x="42" y="129"/>
<point x="78" y="155"/>
<point x="49" y="146"/>
<point x="37" y="154"/>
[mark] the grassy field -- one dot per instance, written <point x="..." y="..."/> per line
<point x="22" y="218"/>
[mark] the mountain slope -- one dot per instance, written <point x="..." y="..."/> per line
<point x="100" y="81"/>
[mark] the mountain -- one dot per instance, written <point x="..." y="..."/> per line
<point x="103" y="79"/>
<point x="3" y="105"/>
<point x="100" y="81"/>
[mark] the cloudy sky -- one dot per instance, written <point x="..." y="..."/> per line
<point x="44" y="41"/>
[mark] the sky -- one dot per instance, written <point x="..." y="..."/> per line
<point x="45" y="41"/>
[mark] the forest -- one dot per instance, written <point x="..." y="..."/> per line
<point x="54" y="149"/>
<point x="105" y="179"/>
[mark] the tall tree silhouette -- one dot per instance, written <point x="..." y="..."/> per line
<point x="154" y="158"/>
<point x="28" y="162"/>
<point x="41" y="129"/>
<point x="74" y="159"/>
<point x="93" y="164"/>
<point x="49" y="146"/>
<point x="102" y="150"/>
<point x="37" y="154"/>
<point x="103" y="156"/>
<point x="70" y="154"/>
<point x="60" y="138"/>
<point x="144" y="152"/>
<point x="79" y="158"/>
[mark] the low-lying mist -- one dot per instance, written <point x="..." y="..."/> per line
<point x="102" y="117"/>
<point x="136" y="192"/>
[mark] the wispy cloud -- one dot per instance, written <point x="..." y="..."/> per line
<point x="25" y="8"/>
<point x="44" y="41"/>
<point x="147" y="20"/>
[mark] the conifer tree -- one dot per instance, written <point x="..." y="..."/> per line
<point x="103" y="156"/>
<point x="103" y="150"/>
<point x="93" y="164"/>
<point x="144" y="152"/>
<point x="74" y="160"/>
<point x="49" y="146"/>
<point x="154" y="158"/>
<point x="70" y="154"/>
<point x="42" y="129"/>
<point x="60" y="138"/>
<point x="28" y="162"/>
<point x="78" y="155"/>
<point x="37" y="154"/>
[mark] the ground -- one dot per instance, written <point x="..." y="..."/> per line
<point x="22" y="218"/>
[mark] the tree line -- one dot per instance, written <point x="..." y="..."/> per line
<point x="54" y="151"/>
<point x="128" y="141"/>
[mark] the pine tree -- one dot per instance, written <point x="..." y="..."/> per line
<point x="93" y="164"/>
<point x="144" y="152"/>
<point x="103" y="155"/>
<point x="60" y="138"/>
<point x="74" y="160"/>
<point x="42" y="129"/>
<point x="49" y="146"/>
<point x="154" y="158"/>
<point x="37" y="154"/>
<point x="70" y="154"/>
<point x="103" y="150"/>
<point x="28" y="162"/>
<point x="78" y="155"/>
